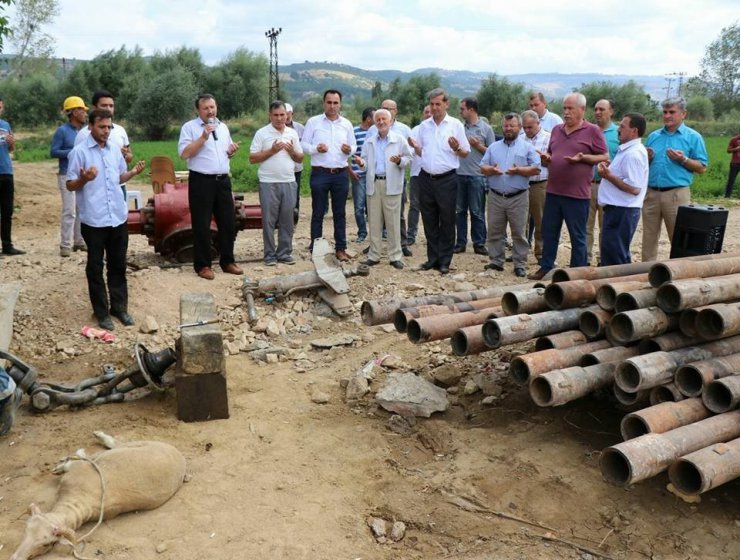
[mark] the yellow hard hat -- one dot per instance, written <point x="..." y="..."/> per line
<point x="74" y="102"/>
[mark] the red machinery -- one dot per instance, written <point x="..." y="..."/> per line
<point x="165" y="220"/>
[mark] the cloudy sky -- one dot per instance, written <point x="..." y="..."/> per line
<point x="507" y="37"/>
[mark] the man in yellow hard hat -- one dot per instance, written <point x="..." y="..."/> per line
<point x="61" y="144"/>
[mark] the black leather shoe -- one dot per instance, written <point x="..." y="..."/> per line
<point x="406" y="252"/>
<point x="458" y="250"/>
<point x="428" y="265"/>
<point x="444" y="269"/>
<point x="126" y="319"/>
<point x="370" y="262"/>
<point x="106" y="323"/>
<point x="366" y="250"/>
<point x="520" y="272"/>
<point x="13" y="251"/>
<point x="397" y="265"/>
<point x="491" y="266"/>
<point x="480" y="250"/>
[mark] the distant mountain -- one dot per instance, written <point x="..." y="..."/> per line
<point x="310" y="78"/>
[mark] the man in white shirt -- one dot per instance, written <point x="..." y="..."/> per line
<point x="205" y="143"/>
<point x="622" y="190"/>
<point x="298" y="127"/>
<point x="413" y="220"/>
<point x="538" y="104"/>
<point x="540" y="139"/>
<point x="329" y="139"/>
<point x="276" y="148"/>
<point x="440" y="145"/>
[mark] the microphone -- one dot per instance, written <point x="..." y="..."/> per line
<point x="213" y="122"/>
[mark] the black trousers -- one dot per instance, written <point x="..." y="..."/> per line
<point x="734" y="170"/>
<point x="7" y="191"/>
<point x="210" y="196"/>
<point x="111" y="244"/>
<point x="437" y="203"/>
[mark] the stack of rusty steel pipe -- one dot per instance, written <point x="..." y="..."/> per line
<point x="662" y="333"/>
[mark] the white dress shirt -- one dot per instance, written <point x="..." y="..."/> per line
<point x="212" y="158"/>
<point x="321" y="130"/>
<point x="631" y="165"/>
<point x="549" y="120"/>
<point x="118" y="136"/>
<point x="436" y="154"/>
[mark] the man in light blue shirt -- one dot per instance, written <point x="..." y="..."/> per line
<point x="675" y="152"/>
<point x="508" y="164"/>
<point x="96" y="171"/>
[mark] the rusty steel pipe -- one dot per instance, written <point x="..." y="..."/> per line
<point x="520" y="328"/>
<point x="650" y="370"/>
<point x="560" y="386"/>
<point x="581" y="292"/>
<point x="663" y="417"/>
<point x="380" y="311"/>
<point x="631" y="400"/>
<point x="637" y="299"/>
<point x="593" y="322"/>
<point x="613" y="354"/>
<point x="523" y="368"/>
<point x="682" y="294"/>
<point x="402" y="317"/>
<point x="468" y="341"/>
<point x="437" y="327"/>
<point x="525" y="301"/>
<point x="650" y="454"/>
<point x="667" y="342"/>
<point x="692" y="378"/>
<point x="670" y="271"/>
<point x="687" y="322"/>
<point x="707" y="468"/>
<point x="665" y="393"/>
<point x="722" y="395"/>
<point x="560" y="340"/>
<point x="607" y="294"/>
<point x="630" y="326"/>
<point x="718" y="320"/>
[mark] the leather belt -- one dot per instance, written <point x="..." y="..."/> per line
<point x="508" y="195"/>
<point x="537" y="182"/>
<point x="437" y="175"/>
<point x="665" y="188"/>
<point x="380" y="177"/>
<point x="330" y="170"/>
<point x="216" y="176"/>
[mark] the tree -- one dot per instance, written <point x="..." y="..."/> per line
<point x="33" y="47"/>
<point x="239" y="83"/>
<point x="700" y="108"/>
<point x="498" y="94"/>
<point x="721" y="69"/>
<point x="627" y="97"/>
<point x="377" y="92"/>
<point x="4" y="23"/>
<point x="168" y="97"/>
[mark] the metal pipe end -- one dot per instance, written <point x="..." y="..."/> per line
<point x="625" y="302"/>
<point x="519" y="370"/>
<point x="658" y="275"/>
<point x="669" y="298"/>
<point x="510" y="304"/>
<point x="543" y="343"/>
<point x="413" y="331"/>
<point x="400" y="321"/>
<point x="560" y="275"/>
<point x="615" y="467"/>
<point x="590" y="324"/>
<point x="689" y="380"/>
<point x="554" y="296"/>
<point x="648" y="346"/>
<point x="717" y="397"/>
<point x="621" y="328"/>
<point x="606" y="297"/>
<point x="366" y="312"/>
<point x="633" y="426"/>
<point x="663" y="393"/>
<point x="627" y="377"/>
<point x="687" y="322"/>
<point x="710" y="323"/>
<point x="686" y="477"/>
<point x="627" y="398"/>
<point x="541" y="391"/>
<point x="459" y="343"/>
<point x="491" y="333"/>
<point x="589" y="360"/>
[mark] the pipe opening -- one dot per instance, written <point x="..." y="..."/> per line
<point x="459" y="343"/>
<point x="622" y="328"/>
<point x="510" y="303"/>
<point x="589" y="360"/>
<point x="543" y="343"/>
<point x="625" y="398"/>
<point x="400" y="321"/>
<point x="560" y="275"/>
<point x="491" y="334"/>
<point x="540" y="391"/>
<point x="710" y="323"/>
<point x="554" y="296"/>
<point x="606" y="297"/>
<point x="634" y="426"/>
<point x="717" y="397"/>
<point x="413" y="331"/>
<point x="628" y="377"/>
<point x="615" y="467"/>
<point x="662" y="394"/>
<point x="648" y="346"/>
<point x="658" y="275"/>
<point x="366" y="312"/>
<point x="590" y="324"/>
<point x="686" y="477"/>
<point x="669" y="298"/>
<point x="625" y="302"/>
<point x="687" y="322"/>
<point x="519" y="370"/>
<point x="689" y="381"/>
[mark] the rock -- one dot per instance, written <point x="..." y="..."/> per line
<point x="465" y="287"/>
<point x="488" y="383"/>
<point x="459" y="277"/>
<point x="398" y="531"/>
<point x="388" y="328"/>
<point x="409" y="395"/>
<point x="271" y="358"/>
<point x="232" y="348"/>
<point x="322" y="310"/>
<point x="332" y="341"/>
<point x="489" y="400"/>
<point x="447" y="375"/>
<point x="415" y="287"/>
<point x="319" y="397"/>
<point x="471" y="387"/>
<point x="149" y="325"/>
<point x="393" y="362"/>
<point x="357" y="387"/>
<point x="378" y="526"/>
<point x="272" y="329"/>
<point x="399" y="425"/>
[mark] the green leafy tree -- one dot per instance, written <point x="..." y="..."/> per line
<point x="414" y="94"/>
<point x="29" y="101"/>
<point x="184" y="57"/>
<point x="239" y="83"/>
<point x="721" y="69"/>
<point x="700" y="108"/>
<point x="33" y="47"/>
<point x="165" y="99"/>
<point x="377" y="92"/>
<point x="499" y="95"/>
<point x="627" y="97"/>
<point x="4" y="22"/>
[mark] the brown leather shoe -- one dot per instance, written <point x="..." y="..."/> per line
<point x="232" y="269"/>
<point x="539" y="275"/>
<point x="206" y="273"/>
<point x="342" y="256"/>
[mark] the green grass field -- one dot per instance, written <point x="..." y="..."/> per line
<point x="707" y="187"/>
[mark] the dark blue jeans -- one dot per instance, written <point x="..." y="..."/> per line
<point x="572" y="211"/>
<point x="359" y="201"/>
<point x="620" y="224"/>
<point x="471" y="192"/>
<point x="324" y="184"/>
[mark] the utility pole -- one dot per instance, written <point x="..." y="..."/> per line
<point x="274" y="83"/>
<point x="667" y="88"/>
<point x="680" y="80"/>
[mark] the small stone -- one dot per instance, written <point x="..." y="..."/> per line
<point x="319" y="397"/>
<point x="149" y="325"/>
<point x="393" y="362"/>
<point x="465" y="287"/>
<point x="399" y="425"/>
<point x="272" y="329"/>
<point x="471" y="387"/>
<point x="447" y="375"/>
<point x="489" y="400"/>
<point x="488" y="383"/>
<point x="332" y="341"/>
<point x="379" y="527"/>
<point x="459" y="277"/>
<point x="161" y="547"/>
<point x="388" y="328"/>
<point x="272" y="358"/>
<point x="232" y="348"/>
<point x="357" y="387"/>
<point x="398" y="531"/>
<point x="410" y="395"/>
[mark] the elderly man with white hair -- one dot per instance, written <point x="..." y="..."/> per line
<point x="575" y="147"/>
<point x="384" y="156"/>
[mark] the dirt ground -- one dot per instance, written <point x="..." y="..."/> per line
<point x="285" y="477"/>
